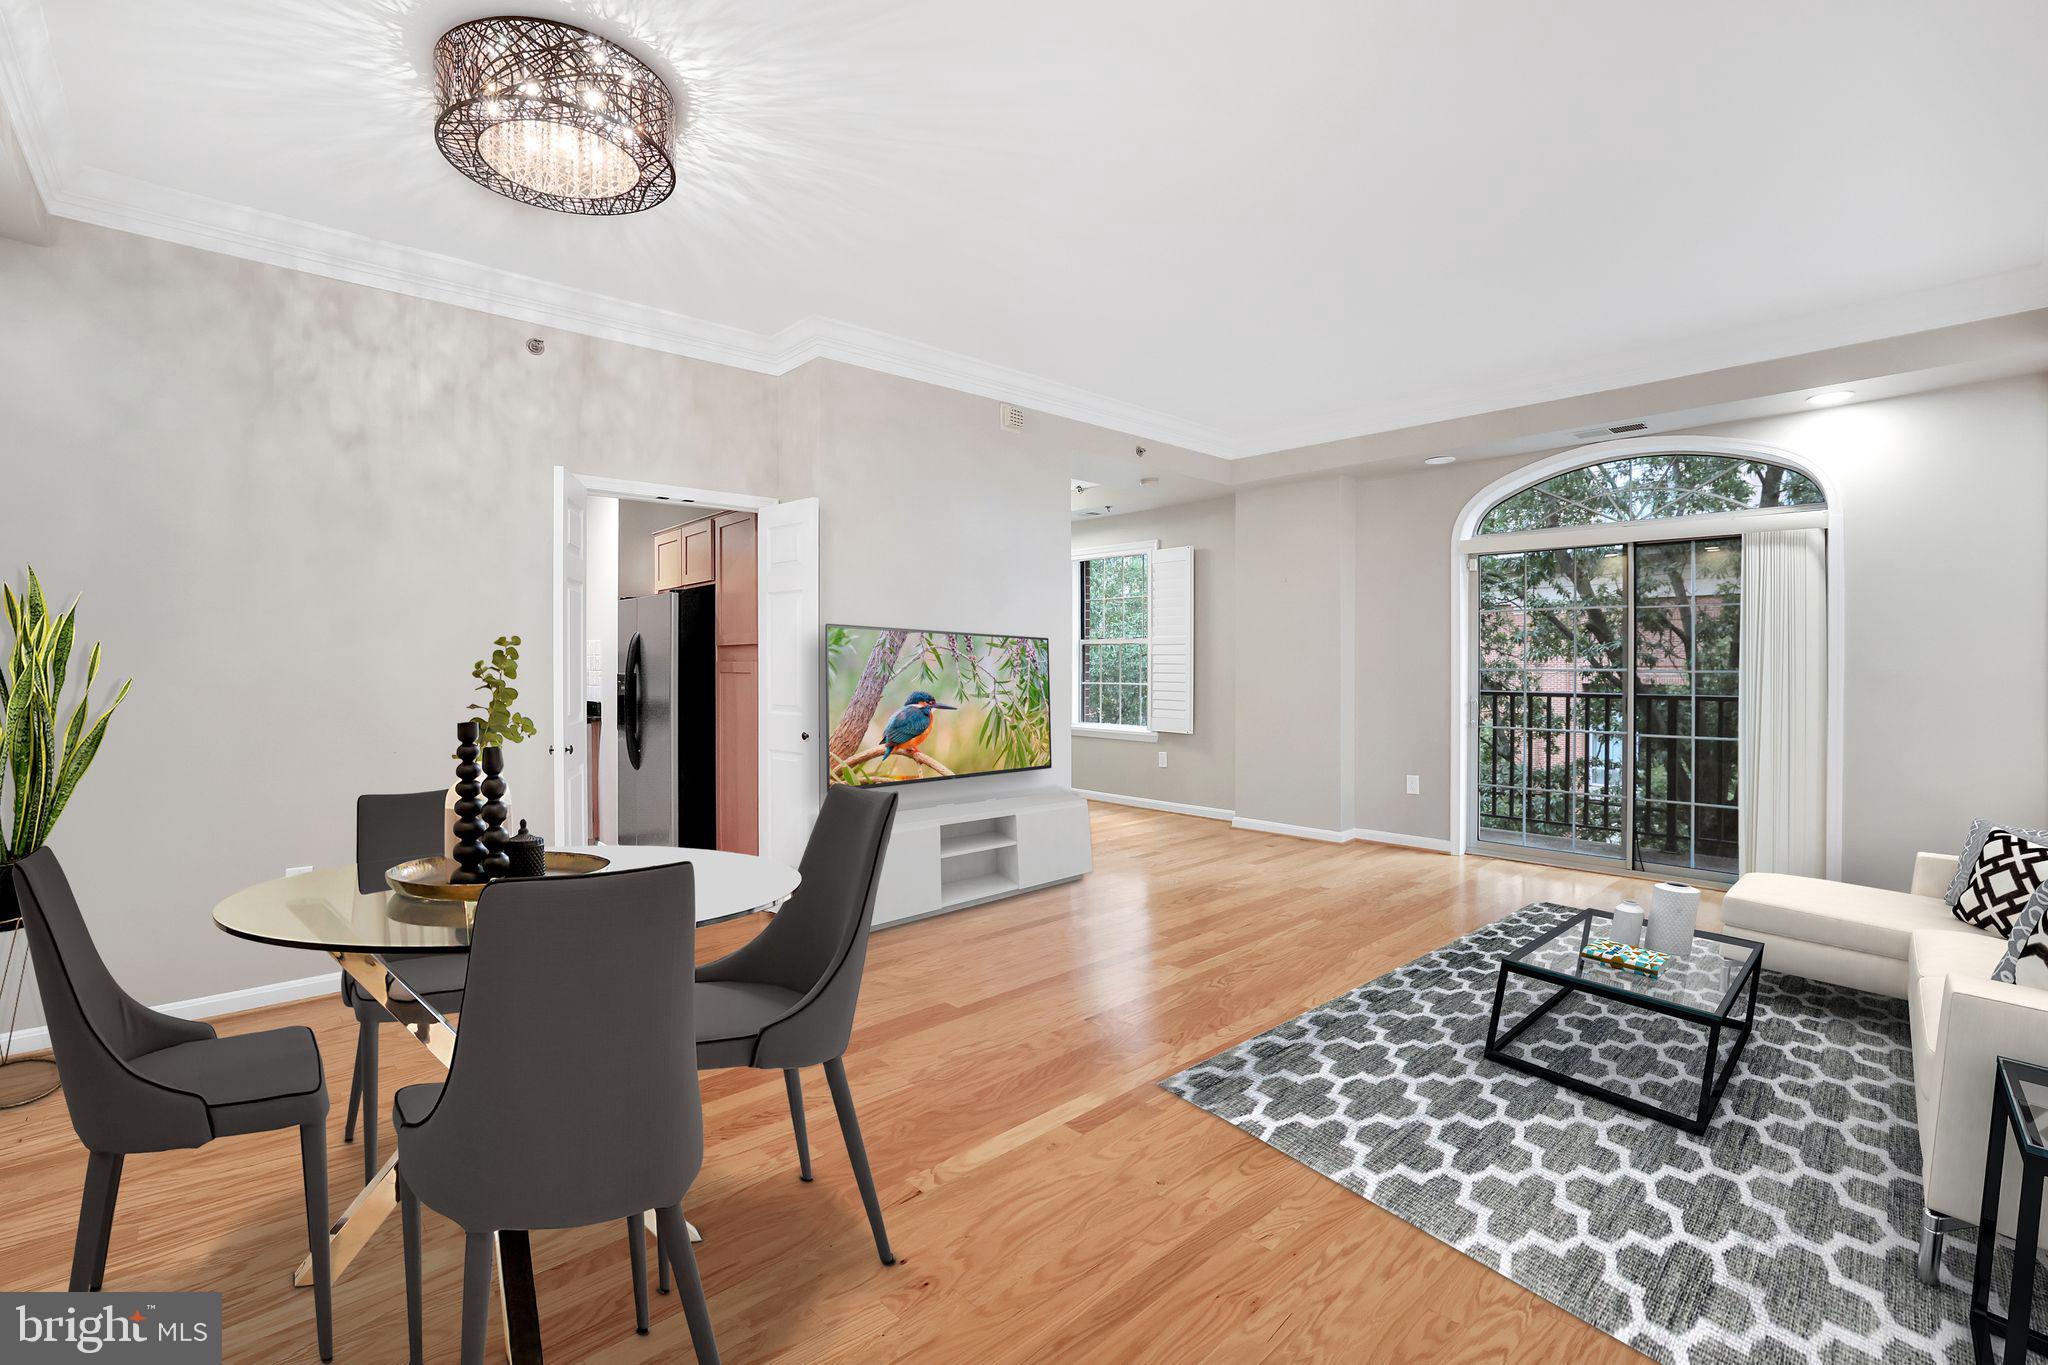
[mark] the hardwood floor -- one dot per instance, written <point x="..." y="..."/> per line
<point x="1049" y="1202"/>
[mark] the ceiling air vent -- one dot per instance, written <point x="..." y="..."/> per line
<point x="1009" y="417"/>
<point x="1602" y="433"/>
<point x="1626" y="427"/>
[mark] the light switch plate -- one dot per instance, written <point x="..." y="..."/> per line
<point x="1414" y="784"/>
<point x="1162" y="758"/>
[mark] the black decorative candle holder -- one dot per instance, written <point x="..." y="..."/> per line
<point x="468" y="853"/>
<point x="496" y="862"/>
<point x="528" y="852"/>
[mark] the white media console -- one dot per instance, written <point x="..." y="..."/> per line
<point x="951" y="856"/>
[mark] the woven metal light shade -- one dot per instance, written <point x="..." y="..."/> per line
<point x="553" y="116"/>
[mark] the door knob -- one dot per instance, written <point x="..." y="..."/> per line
<point x="807" y="734"/>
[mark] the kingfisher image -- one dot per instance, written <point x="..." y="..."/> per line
<point x="909" y="727"/>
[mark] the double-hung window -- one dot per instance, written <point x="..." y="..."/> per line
<point x="1113" y="613"/>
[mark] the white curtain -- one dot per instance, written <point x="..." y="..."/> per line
<point x="1783" y="751"/>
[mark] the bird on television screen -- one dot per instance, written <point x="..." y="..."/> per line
<point x="908" y="728"/>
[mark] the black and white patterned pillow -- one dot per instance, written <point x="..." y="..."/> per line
<point x="2026" y="952"/>
<point x="1980" y="830"/>
<point x="2001" y="882"/>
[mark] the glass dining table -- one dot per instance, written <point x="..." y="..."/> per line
<point x="372" y="933"/>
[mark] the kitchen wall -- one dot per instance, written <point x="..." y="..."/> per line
<point x="1201" y="767"/>
<point x="298" y="509"/>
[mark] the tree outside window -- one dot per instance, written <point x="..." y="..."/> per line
<point x="1116" y="627"/>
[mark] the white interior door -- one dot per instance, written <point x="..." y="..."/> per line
<point x="792" y="722"/>
<point x="567" y="742"/>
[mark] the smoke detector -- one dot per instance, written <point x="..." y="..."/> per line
<point x="1009" y="417"/>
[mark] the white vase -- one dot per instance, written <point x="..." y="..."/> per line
<point x="1674" y="915"/>
<point x="1627" y="924"/>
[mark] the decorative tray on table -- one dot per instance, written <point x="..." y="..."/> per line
<point x="429" y="878"/>
<point x="1626" y="956"/>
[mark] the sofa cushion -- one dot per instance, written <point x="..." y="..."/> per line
<point x="1980" y="830"/>
<point x="1861" y="918"/>
<point x="1936" y="955"/>
<point x="2025" y="962"/>
<point x="2007" y="870"/>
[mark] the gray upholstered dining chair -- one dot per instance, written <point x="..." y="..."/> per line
<point x="785" y="999"/>
<point x="389" y="830"/>
<point x="139" y="1081"/>
<point x="551" y="1118"/>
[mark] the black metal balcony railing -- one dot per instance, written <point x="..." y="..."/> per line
<point x="1562" y="779"/>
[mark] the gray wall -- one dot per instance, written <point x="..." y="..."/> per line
<point x="1296" y="544"/>
<point x="1202" y="767"/>
<point x="1945" y="496"/>
<point x="298" y="509"/>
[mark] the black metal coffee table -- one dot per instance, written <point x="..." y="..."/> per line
<point x="1702" y="987"/>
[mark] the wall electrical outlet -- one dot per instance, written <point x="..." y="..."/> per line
<point x="1414" y="784"/>
<point x="1162" y="758"/>
<point x="295" y="871"/>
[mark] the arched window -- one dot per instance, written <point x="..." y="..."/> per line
<point x="1650" y="488"/>
<point x="1602" y="670"/>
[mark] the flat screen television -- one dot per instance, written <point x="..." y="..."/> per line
<point x="925" y="705"/>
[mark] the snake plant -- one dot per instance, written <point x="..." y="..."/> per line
<point x="43" y="771"/>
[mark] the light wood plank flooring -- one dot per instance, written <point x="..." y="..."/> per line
<point x="1048" y="1201"/>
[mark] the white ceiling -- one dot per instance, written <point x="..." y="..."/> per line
<point x="1235" y="228"/>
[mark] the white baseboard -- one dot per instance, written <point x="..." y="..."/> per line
<point x="1343" y="836"/>
<point x="210" y="1006"/>
<point x="1147" y="803"/>
<point x="1327" y="836"/>
<point x="1386" y="836"/>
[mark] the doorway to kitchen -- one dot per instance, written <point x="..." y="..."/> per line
<point x="686" y="625"/>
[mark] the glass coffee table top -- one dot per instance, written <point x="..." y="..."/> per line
<point x="1703" y="982"/>
<point x="2026" y="1088"/>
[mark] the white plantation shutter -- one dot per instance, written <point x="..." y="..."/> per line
<point x="1173" y="641"/>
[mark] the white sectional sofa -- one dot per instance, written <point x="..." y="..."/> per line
<point x="1908" y="944"/>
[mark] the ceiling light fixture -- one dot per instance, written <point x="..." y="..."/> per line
<point x="553" y="116"/>
<point x="1832" y="397"/>
<point x="1441" y="459"/>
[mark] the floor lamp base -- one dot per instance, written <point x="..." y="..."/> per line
<point x="26" y="1081"/>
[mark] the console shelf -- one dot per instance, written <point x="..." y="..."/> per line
<point x="957" y="854"/>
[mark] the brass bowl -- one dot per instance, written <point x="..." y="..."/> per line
<point x="428" y="878"/>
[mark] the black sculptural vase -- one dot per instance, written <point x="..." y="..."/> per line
<point x="469" y="854"/>
<point x="496" y="861"/>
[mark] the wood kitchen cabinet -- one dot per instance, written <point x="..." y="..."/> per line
<point x="739" y="596"/>
<point x="685" y="556"/>
<point x="739" y="757"/>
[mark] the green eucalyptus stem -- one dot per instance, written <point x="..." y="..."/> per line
<point x="502" y="725"/>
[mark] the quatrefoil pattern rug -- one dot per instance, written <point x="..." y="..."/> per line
<point x="1786" y="1233"/>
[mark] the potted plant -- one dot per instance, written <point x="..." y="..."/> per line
<point x="480" y="826"/>
<point x="43" y="763"/>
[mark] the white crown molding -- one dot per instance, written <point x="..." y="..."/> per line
<point x="32" y="94"/>
<point x="1979" y="300"/>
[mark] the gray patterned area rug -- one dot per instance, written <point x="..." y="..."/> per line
<point x="1786" y="1233"/>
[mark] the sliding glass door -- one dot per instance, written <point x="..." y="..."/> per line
<point x="1606" y="703"/>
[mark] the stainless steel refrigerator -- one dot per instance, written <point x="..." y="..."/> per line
<point x="668" y="788"/>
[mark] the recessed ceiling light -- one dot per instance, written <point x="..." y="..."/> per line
<point x="1441" y="459"/>
<point x="1832" y="397"/>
